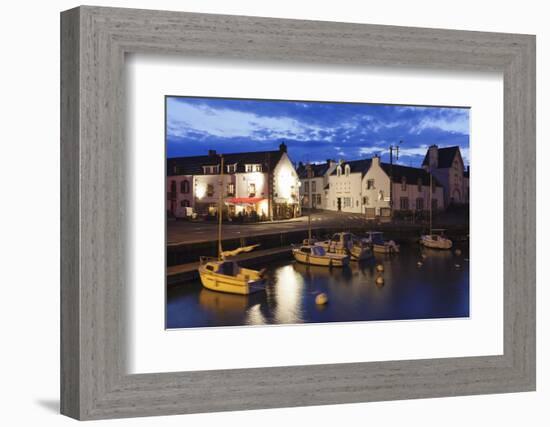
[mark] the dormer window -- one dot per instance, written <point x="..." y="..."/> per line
<point x="210" y="170"/>
<point x="347" y="170"/>
<point x="253" y="167"/>
<point x="339" y="171"/>
<point x="232" y="168"/>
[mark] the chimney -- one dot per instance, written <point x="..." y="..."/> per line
<point x="282" y="147"/>
<point x="376" y="160"/>
<point x="212" y="153"/>
<point x="432" y="157"/>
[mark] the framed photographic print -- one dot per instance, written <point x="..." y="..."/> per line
<point x="262" y="213"/>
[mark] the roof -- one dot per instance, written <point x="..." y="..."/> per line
<point x="411" y="174"/>
<point x="445" y="157"/>
<point x="355" y="166"/>
<point x="193" y="165"/>
<point x="318" y="170"/>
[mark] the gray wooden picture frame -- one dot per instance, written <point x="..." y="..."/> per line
<point x="94" y="382"/>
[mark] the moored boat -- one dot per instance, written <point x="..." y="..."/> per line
<point x="223" y="275"/>
<point x="436" y="240"/>
<point x="317" y="255"/>
<point x="347" y="244"/>
<point x="379" y="244"/>
<point x="228" y="276"/>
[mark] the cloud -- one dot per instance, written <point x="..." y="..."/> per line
<point x="186" y="118"/>
<point x="453" y="121"/>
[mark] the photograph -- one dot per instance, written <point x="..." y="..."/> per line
<point x="284" y="212"/>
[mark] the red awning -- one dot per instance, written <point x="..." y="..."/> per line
<point x="243" y="200"/>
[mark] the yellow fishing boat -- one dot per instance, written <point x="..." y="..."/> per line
<point x="225" y="275"/>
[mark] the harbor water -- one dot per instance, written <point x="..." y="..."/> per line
<point x="418" y="283"/>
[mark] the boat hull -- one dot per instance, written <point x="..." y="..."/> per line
<point x="319" y="260"/>
<point x="355" y="254"/>
<point x="230" y="284"/>
<point x="446" y="244"/>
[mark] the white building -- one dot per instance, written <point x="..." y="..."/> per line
<point x="261" y="184"/>
<point x="447" y="165"/>
<point x="344" y="186"/>
<point x="363" y="186"/>
<point x="314" y="184"/>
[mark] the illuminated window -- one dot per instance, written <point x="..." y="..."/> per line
<point x="231" y="189"/>
<point x="251" y="190"/>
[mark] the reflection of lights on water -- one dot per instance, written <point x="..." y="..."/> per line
<point x="254" y="316"/>
<point x="289" y="287"/>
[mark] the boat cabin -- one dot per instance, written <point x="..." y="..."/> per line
<point x="313" y="250"/>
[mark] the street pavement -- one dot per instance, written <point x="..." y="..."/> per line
<point x="184" y="232"/>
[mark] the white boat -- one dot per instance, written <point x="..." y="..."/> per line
<point x="223" y="275"/>
<point x="347" y="244"/>
<point x="436" y="240"/>
<point x="317" y="255"/>
<point x="379" y="245"/>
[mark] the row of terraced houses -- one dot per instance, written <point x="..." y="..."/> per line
<point x="267" y="185"/>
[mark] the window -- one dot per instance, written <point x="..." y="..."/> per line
<point x="313" y="186"/>
<point x="210" y="190"/>
<point x="347" y="170"/>
<point x="403" y="183"/>
<point x="232" y="168"/>
<point x="230" y="189"/>
<point x="370" y="184"/>
<point x="364" y="200"/>
<point x="318" y="200"/>
<point x="339" y="171"/>
<point x="434" y="204"/>
<point x="404" y="203"/>
<point x="251" y="190"/>
<point x="172" y="186"/>
<point x="420" y="204"/>
<point x="433" y="187"/>
<point x="419" y="183"/>
<point x="253" y="168"/>
<point x="357" y="203"/>
<point x="306" y="187"/>
<point x="184" y="186"/>
<point x="184" y="203"/>
<point x="347" y="202"/>
<point x="209" y="170"/>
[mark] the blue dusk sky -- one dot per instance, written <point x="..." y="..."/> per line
<point x="313" y="131"/>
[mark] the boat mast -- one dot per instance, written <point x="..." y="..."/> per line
<point x="431" y="193"/>
<point x="309" y="224"/>
<point x="220" y="214"/>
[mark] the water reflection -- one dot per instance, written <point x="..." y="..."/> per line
<point x="417" y="283"/>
